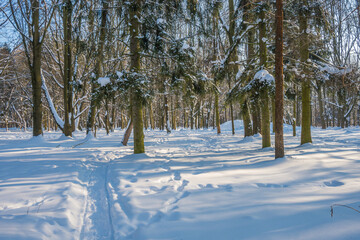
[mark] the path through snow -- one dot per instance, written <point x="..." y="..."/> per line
<point x="188" y="185"/>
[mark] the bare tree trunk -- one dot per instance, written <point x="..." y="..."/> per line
<point x="305" y="86"/>
<point x="166" y="109"/>
<point x="264" y="93"/>
<point x="67" y="76"/>
<point x="98" y="68"/>
<point x="127" y="133"/>
<point x="36" y="71"/>
<point x="294" y="118"/>
<point x="279" y="82"/>
<point x="256" y="118"/>
<point x="113" y="115"/>
<point x="321" y="108"/>
<point x="107" y="120"/>
<point x="217" y="113"/>
<point x="248" y="130"/>
<point x="152" y="125"/>
<point x="137" y="104"/>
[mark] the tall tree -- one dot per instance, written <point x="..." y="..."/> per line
<point x="136" y="98"/>
<point x="31" y="19"/>
<point x="279" y="81"/>
<point x="68" y="71"/>
<point x="305" y="85"/>
<point x="264" y="92"/>
<point x="215" y="19"/>
<point x="94" y="102"/>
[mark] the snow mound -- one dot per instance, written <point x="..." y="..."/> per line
<point x="103" y="81"/>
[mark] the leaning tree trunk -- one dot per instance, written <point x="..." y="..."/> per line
<point x="279" y="81"/>
<point x="127" y="133"/>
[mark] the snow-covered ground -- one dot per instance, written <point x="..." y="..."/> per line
<point x="188" y="185"/>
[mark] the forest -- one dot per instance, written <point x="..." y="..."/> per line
<point x="195" y="89"/>
<point x="170" y="64"/>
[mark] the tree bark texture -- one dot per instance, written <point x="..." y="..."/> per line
<point x="279" y="81"/>
<point x="67" y="76"/>
<point x="36" y="71"/>
<point x="94" y="102"/>
<point x="137" y="104"/>
<point x="305" y="85"/>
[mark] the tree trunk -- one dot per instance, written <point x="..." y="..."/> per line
<point x="67" y="76"/>
<point x="98" y="68"/>
<point x="137" y="104"/>
<point x="248" y="130"/>
<point x="234" y="57"/>
<point x="305" y="85"/>
<point x="107" y="120"/>
<point x="264" y="94"/>
<point x="273" y="113"/>
<point x="152" y="124"/>
<point x="321" y="108"/>
<point x="294" y="117"/>
<point x="166" y="109"/>
<point x="113" y="115"/>
<point x="217" y="114"/>
<point x="127" y="133"/>
<point x="192" y="115"/>
<point x="279" y="82"/>
<point x="256" y="118"/>
<point x="173" y="114"/>
<point x="36" y="71"/>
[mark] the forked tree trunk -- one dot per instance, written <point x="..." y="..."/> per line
<point x="98" y="68"/>
<point x="249" y="128"/>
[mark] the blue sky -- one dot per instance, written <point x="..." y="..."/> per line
<point x="7" y="34"/>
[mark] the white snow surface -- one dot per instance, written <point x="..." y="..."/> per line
<point x="103" y="81"/>
<point x="264" y="76"/>
<point x="189" y="185"/>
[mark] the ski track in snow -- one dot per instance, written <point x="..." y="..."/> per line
<point x="186" y="186"/>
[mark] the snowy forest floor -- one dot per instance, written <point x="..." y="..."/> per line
<point x="188" y="185"/>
